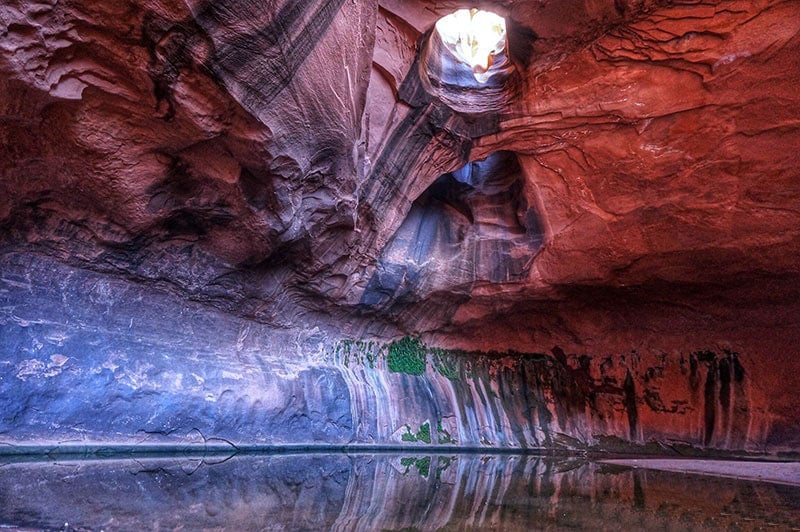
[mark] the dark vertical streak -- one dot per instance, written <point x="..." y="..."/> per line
<point x="629" y="400"/>
<point x="694" y="378"/>
<point x="710" y="401"/>
<point x="738" y="369"/>
<point x="544" y="415"/>
<point x="724" y="383"/>
<point x="740" y="411"/>
<point x="725" y="390"/>
<point x="638" y="491"/>
<point x="279" y="48"/>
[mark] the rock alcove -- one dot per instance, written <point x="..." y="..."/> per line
<point x="307" y="222"/>
<point x="471" y="226"/>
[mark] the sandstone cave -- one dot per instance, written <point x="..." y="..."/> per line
<point x="399" y="264"/>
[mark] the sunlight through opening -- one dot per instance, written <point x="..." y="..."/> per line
<point x="474" y="37"/>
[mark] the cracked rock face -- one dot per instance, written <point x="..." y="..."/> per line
<point x="627" y="179"/>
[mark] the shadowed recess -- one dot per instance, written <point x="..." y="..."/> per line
<point x="471" y="225"/>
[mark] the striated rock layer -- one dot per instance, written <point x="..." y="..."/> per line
<point x="95" y="360"/>
<point x="620" y="197"/>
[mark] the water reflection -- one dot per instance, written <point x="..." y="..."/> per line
<point x="380" y="492"/>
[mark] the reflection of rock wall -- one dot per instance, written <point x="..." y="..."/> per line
<point x="378" y="492"/>
<point x="295" y="163"/>
<point x="88" y="358"/>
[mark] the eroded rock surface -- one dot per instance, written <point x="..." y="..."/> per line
<point x="292" y="164"/>
<point x="90" y="359"/>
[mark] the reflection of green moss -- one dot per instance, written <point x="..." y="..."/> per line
<point x="407" y="355"/>
<point x="423" y="465"/>
<point x="443" y="464"/>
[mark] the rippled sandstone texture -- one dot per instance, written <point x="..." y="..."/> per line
<point x="300" y="166"/>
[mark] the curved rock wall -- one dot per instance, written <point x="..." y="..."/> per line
<point x="92" y="360"/>
<point x="473" y="225"/>
<point x="284" y="168"/>
<point x="262" y="157"/>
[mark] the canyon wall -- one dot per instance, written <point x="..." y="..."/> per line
<point x="92" y="360"/>
<point x="202" y="204"/>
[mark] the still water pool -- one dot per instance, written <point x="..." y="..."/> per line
<point x="380" y="492"/>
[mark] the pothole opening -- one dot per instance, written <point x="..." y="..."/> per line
<point x="474" y="37"/>
<point x="465" y="62"/>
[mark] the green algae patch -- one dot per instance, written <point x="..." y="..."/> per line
<point x="408" y="435"/>
<point x="410" y="355"/>
<point x="422" y="435"/>
<point x="355" y="352"/>
<point x="407" y="355"/>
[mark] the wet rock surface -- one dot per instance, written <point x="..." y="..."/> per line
<point x="314" y="171"/>
<point x="93" y="360"/>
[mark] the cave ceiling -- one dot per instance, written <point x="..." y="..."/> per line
<point x="633" y="166"/>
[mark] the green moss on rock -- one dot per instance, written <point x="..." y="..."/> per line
<point x="407" y="355"/>
<point x="408" y="435"/>
<point x="446" y="362"/>
<point x="424" y="433"/>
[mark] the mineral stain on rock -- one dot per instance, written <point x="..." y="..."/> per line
<point x="710" y="398"/>
<point x="629" y="391"/>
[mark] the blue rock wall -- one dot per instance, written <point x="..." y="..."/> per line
<point x="86" y="358"/>
<point x="89" y="357"/>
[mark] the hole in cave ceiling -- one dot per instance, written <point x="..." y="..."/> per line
<point x="475" y="37"/>
<point x="465" y="62"/>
